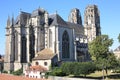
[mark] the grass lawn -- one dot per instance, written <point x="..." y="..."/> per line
<point x="99" y="75"/>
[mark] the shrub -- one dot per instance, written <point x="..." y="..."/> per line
<point x="18" y="72"/>
<point x="78" y="68"/>
<point x="67" y="68"/>
<point x="4" y="71"/>
<point x="57" y="72"/>
<point x="87" y="68"/>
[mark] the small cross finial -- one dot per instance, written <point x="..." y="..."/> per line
<point x="56" y="12"/>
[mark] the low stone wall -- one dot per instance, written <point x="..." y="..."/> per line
<point x="66" y="78"/>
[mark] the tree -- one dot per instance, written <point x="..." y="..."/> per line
<point x="99" y="47"/>
<point x="99" y="51"/>
<point x="119" y="37"/>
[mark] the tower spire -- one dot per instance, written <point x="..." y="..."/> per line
<point x="12" y="20"/>
<point x="8" y="21"/>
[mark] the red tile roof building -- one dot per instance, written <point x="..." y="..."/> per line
<point x="36" y="71"/>
<point x="12" y="77"/>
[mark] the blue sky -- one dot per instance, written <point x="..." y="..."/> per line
<point x="109" y="13"/>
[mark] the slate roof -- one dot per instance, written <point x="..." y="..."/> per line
<point x="54" y="19"/>
<point x="78" y="28"/>
<point x="22" y="18"/>
<point x="38" y="12"/>
<point x="45" y="54"/>
<point x="57" y="20"/>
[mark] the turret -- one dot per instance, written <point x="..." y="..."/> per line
<point x="12" y="24"/>
<point x="75" y="16"/>
<point x="92" y="22"/>
<point x="46" y="18"/>
<point x="8" y="22"/>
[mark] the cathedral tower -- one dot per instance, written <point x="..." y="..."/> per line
<point x="92" y="22"/>
<point x="9" y="58"/>
<point x="75" y="16"/>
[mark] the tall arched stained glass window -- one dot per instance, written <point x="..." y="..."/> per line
<point x="23" y="50"/>
<point x="16" y="46"/>
<point x="32" y="42"/>
<point x="65" y="45"/>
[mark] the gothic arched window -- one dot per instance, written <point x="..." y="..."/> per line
<point x="23" y="49"/>
<point x="16" y="45"/>
<point x="50" y="38"/>
<point x="32" y="42"/>
<point x="65" y="45"/>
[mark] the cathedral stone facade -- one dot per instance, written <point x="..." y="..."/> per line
<point x="39" y="36"/>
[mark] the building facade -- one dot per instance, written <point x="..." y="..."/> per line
<point x="32" y="33"/>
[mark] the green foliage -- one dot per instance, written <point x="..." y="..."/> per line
<point x="99" y="47"/>
<point x="112" y="61"/>
<point x="78" y="68"/>
<point x="117" y="67"/>
<point x="67" y="67"/>
<point x="74" y="68"/>
<point x="109" y="62"/>
<point x="119" y="37"/>
<point x="18" y="72"/>
<point x="87" y="68"/>
<point x="4" y="71"/>
<point x="56" y="72"/>
<point x="47" y="74"/>
<point x="99" y="51"/>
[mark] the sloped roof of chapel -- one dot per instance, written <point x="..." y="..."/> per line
<point x="45" y="54"/>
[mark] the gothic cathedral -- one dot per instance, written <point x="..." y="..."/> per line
<point x="48" y="39"/>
